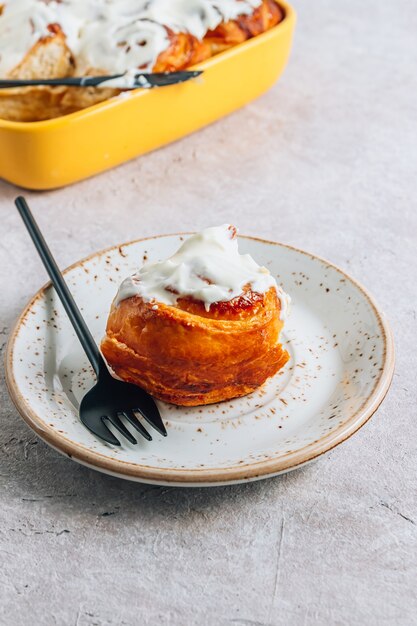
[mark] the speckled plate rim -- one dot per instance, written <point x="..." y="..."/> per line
<point x="212" y="476"/>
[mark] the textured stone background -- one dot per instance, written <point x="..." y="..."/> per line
<point x="327" y="160"/>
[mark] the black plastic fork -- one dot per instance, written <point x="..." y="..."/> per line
<point x="141" y="79"/>
<point x="109" y="399"/>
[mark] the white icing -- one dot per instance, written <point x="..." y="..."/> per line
<point x="119" y="47"/>
<point x="207" y="267"/>
<point x="110" y="35"/>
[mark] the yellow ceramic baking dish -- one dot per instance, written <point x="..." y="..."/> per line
<point x="57" y="152"/>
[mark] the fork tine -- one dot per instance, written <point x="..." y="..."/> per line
<point x="162" y="78"/>
<point x="132" y="419"/>
<point x="117" y="423"/>
<point x="149" y="411"/>
<point x="100" y="430"/>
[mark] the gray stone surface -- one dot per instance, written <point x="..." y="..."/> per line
<point x="327" y="160"/>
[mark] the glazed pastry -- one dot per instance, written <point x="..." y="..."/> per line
<point x="230" y="33"/>
<point x="200" y="327"/>
<point x="56" y="38"/>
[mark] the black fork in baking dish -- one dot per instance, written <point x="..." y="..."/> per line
<point x="118" y="81"/>
<point x="110" y="399"/>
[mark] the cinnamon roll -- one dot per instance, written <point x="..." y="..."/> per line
<point x="201" y="327"/>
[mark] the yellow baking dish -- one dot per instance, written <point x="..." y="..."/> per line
<point x="57" y="152"/>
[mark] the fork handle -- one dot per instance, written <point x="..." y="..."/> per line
<point x="71" y="81"/>
<point x="60" y="285"/>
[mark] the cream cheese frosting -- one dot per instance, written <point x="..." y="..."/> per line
<point x="110" y="35"/>
<point x="207" y="267"/>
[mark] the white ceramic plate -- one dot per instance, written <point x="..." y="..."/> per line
<point x="341" y="366"/>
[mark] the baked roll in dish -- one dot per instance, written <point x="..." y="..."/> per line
<point x="201" y="327"/>
<point x="59" y="38"/>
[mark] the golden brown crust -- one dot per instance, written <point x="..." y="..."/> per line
<point x="228" y="34"/>
<point x="185" y="355"/>
<point x="51" y="58"/>
<point x="184" y="51"/>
